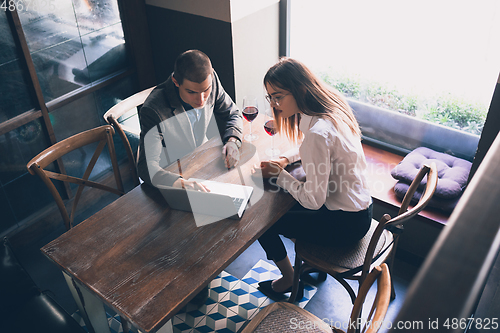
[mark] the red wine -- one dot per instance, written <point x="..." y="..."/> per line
<point x="270" y="127"/>
<point x="250" y="113"/>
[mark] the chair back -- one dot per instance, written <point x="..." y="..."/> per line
<point x="374" y="320"/>
<point x="404" y="214"/>
<point x="103" y="135"/>
<point x="117" y="111"/>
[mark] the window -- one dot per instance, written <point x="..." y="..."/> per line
<point x="63" y="64"/>
<point x="416" y="73"/>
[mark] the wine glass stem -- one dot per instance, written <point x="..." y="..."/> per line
<point x="250" y="129"/>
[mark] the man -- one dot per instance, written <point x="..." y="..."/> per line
<point x="177" y="117"/>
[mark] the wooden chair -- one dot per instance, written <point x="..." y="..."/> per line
<point x="103" y="135"/>
<point x="378" y="246"/>
<point x="285" y="317"/>
<point x="121" y="109"/>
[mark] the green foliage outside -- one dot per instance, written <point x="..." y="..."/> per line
<point x="444" y="109"/>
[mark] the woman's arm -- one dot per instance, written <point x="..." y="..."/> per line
<point x="316" y="162"/>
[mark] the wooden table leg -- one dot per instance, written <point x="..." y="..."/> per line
<point x="91" y="308"/>
<point x="167" y="328"/>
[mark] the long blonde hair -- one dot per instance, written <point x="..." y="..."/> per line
<point x="313" y="97"/>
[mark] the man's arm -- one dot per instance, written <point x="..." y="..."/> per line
<point x="228" y="115"/>
<point x="151" y="167"/>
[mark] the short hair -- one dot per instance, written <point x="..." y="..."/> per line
<point x="193" y="65"/>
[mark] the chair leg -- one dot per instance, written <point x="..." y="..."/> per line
<point x="347" y="286"/>
<point x="393" y="291"/>
<point x="391" y="267"/>
<point x="296" y="278"/>
<point x="305" y="276"/>
<point x="125" y="324"/>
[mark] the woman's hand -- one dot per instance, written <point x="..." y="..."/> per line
<point x="190" y="185"/>
<point x="271" y="168"/>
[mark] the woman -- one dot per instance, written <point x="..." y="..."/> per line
<point x="334" y="203"/>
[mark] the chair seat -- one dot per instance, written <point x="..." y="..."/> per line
<point x="45" y="315"/>
<point x="23" y="308"/>
<point x="341" y="259"/>
<point x="285" y="317"/>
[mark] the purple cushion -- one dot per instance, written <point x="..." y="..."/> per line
<point x="446" y="205"/>
<point x="453" y="172"/>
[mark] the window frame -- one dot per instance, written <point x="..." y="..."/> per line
<point x="138" y="48"/>
<point x="491" y="125"/>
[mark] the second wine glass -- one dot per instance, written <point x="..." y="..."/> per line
<point x="271" y="129"/>
<point x="250" y="112"/>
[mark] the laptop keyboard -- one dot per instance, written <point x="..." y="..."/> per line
<point x="237" y="202"/>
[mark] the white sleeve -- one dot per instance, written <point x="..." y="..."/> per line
<point x="292" y="155"/>
<point x="157" y="160"/>
<point x="315" y="155"/>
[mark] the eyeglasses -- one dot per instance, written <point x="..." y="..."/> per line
<point x="274" y="99"/>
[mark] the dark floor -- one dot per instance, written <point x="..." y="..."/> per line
<point x="331" y="302"/>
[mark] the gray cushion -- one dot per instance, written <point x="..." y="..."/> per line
<point x="446" y="205"/>
<point x="453" y="172"/>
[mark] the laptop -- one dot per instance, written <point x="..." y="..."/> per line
<point x="223" y="201"/>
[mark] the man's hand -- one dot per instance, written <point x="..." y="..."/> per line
<point x="231" y="154"/>
<point x="190" y="185"/>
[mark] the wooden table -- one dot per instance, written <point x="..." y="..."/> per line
<point x="145" y="260"/>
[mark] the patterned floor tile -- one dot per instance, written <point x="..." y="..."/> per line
<point x="244" y="300"/>
<point x="221" y="319"/>
<point x="235" y="323"/>
<point x="115" y="325"/>
<point x="220" y="286"/>
<point x="309" y="292"/>
<point x="231" y="304"/>
<point x="191" y="313"/>
<point x="262" y="271"/>
<point x="179" y="326"/>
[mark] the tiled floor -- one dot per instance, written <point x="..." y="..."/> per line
<point x="331" y="302"/>
<point x="234" y="298"/>
<point x="231" y="303"/>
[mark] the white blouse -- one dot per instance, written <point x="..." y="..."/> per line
<point x="334" y="164"/>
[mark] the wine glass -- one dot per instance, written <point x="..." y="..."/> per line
<point x="250" y="112"/>
<point x="271" y="129"/>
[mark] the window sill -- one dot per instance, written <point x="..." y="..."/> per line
<point x="380" y="163"/>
